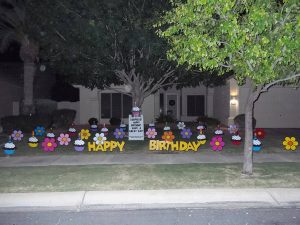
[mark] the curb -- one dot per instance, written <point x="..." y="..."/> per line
<point x="140" y="199"/>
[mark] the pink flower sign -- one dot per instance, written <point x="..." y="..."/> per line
<point x="64" y="139"/>
<point x="217" y="143"/>
<point x="49" y="144"/>
<point x="151" y="133"/>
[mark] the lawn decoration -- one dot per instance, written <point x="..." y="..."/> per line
<point x="256" y="144"/>
<point x="17" y="135"/>
<point x="119" y="133"/>
<point x="94" y="126"/>
<point x="123" y="127"/>
<point x="72" y="131"/>
<point x="64" y="139"/>
<point x="260" y="133"/>
<point x="9" y="147"/>
<point x="104" y="130"/>
<point x="79" y="144"/>
<point x="232" y="129"/>
<point x="290" y="143"/>
<point x="106" y="146"/>
<point x="136" y="112"/>
<point x="167" y="128"/>
<point x="152" y="125"/>
<point x="85" y="134"/>
<point x="99" y="138"/>
<point x="218" y="131"/>
<point x="157" y="145"/>
<point x="217" y="143"/>
<point x="168" y="136"/>
<point x="151" y="133"/>
<point x="49" y="144"/>
<point x="186" y="133"/>
<point x="236" y="139"/>
<point x="201" y="127"/>
<point x="33" y="142"/>
<point x="181" y="125"/>
<point x="50" y="134"/>
<point x="201" y="137"/>
<point x="39" y="131"/>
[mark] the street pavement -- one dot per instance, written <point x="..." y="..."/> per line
<point x="174" y="216"/>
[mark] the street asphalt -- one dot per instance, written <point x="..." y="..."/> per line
<point x="174" y="216"/>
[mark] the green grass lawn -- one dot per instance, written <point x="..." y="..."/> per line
<point x="134" y="177"/>
<point x="271" y="143"/>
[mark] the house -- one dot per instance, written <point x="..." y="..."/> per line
<point x="278" y="108"/>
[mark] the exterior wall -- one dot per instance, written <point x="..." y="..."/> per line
<point x="221" y="103"/>
<point x="88" y="104"/>
<point x="148" y="109"/>
<point x="9" y="93"/>
<point x="184" y="92"/>
<point x="71" y="105"/>
<point x="277" y="108"/>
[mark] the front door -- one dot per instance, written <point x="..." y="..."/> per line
<point x="172" y="106"/>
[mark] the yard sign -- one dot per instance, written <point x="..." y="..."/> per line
<point x="136" y="128"/>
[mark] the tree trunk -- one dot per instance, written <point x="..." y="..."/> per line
<point x="29" y="72"/>
<point x="28" y="53"/>
<point x="137" y="98"/>
<point x="248" y="156"/>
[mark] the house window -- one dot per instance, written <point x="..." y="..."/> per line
<point x="195" y="105"/>
<point x="115" y="105"/>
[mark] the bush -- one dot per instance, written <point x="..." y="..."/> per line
<point x="208" y="121"/>
<point x="239" y="120"/>
<point x="25" y="123"/>
<point x="63" y="118"/>
<point x="115" y="121"/>
<point x="93" y="120"/>
<point x="164" y="118"/>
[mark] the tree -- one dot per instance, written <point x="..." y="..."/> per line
<point x="257" y="39"/>
<point x="13" y="28"/>
<point x="104" y="43"/>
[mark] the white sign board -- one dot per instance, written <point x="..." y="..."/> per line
<point x="136" y="128"/>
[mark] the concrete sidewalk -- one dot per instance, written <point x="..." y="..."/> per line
<point x="89" y="200"/>
<point x="144" y="158"/>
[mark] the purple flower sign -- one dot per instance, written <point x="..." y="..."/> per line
<point x="17" y="135"/>
<point x="119" y="133"/>
<point x="186" y="133"/>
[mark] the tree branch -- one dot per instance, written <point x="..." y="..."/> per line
<point x="265" y="89"/>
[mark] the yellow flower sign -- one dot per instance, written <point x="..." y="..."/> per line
<point x="85" y="134"/>
<point x="290" y="143"/>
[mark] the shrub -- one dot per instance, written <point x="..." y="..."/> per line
<point x="239" y="120"/>
<point x="208" y="121"/>
<point x="164" y="118"/>
<point x="63" y="118"/>
<point x="115" y="121"/>
<point x="25" y="123"/>
<point x="93" y="121"/>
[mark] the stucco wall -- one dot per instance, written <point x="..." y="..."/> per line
<point x="221" y="103"/>
<point x="71" y="105"/>
<point x="8" y="94"/>
<point x="184" y="92"/>
<point x="277" y="108"/>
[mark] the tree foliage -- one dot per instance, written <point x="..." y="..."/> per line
<point x="258" y="39"/>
